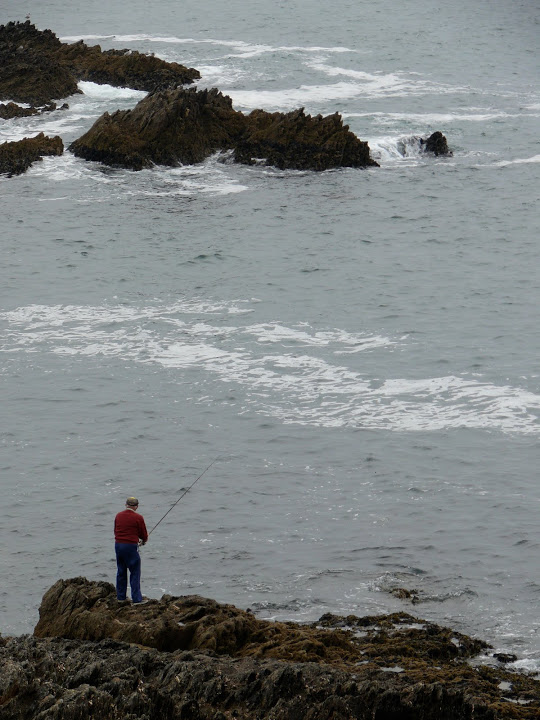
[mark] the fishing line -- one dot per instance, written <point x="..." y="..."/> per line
<point x="182" y="495"/>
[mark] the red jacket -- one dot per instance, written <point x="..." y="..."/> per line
<point x="129" y="527"/>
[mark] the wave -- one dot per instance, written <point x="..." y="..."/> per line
<point x="431" y="119"/>
<point x="520" y="161"/>
<point x="391" y="149"/>
<point x="291" y="373"/>
<point x="245" y="48"/>
<point x="109" y="92"/>
<point x="291" y="98"/>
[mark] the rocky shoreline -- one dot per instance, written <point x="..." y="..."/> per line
<point x="194" y="658"/>
<point x="172" y="125"/>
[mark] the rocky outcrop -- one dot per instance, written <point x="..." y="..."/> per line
<point x="35" y="67"/>
<point x="193" y="658"/>
<point x="186" y="126"/>
<point x="16" y="157"/>
<point x="436" y="143"/>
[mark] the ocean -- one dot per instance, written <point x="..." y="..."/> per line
<point x="355" y="351"/>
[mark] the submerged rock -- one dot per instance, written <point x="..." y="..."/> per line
<point x="35" y="67"/>
<point x="191" y="657"/>
<point x="186" y="126"/>
<point x="16" y="157"/>
<point x="436" y="144"/>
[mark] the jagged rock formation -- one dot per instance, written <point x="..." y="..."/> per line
<point x="436" y="143"/>
<point x="16" y="157"/>
<point x="166" y="128"/>
<point x="300" y="141"/>
<point x="217" y="662"/>
<point x="185" y="126"/>
<point x="35" y="67"/>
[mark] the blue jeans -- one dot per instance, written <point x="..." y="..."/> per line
<point x="128" y="558"/>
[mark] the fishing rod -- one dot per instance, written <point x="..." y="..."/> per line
<point x="182" y="495"/>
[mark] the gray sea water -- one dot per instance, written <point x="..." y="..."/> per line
<point x="357" y="350"/>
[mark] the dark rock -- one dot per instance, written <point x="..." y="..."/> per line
<point x="436" y="144"/>
<point x="17" y="157"/>
<point x="186" y="126"/>
<point x="68" y="680"/>
<point x="36" y="67"/>
<point x="405" y="594"/>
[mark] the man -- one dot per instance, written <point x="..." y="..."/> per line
<point x="129" y="530"/>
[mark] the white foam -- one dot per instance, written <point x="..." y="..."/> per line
<point x="520" y="161"/>
<point x="528" y="665"/>
<point x="299" y="387"/>
<point x="430" y="119"/>
<point x="291" y="98"/>
<point x="389" y="149"/>
<point x="109" y="92"/>
<point x="384" y="84"/>
<point x="239" y="44"/>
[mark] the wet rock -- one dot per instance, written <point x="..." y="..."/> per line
<point x="17" y="157"/>
<point x="12" y="110"/>
<point x="405" y="594"/>
<point x="186" y="126"/>
<point x="436" y="144"/>
<point x="62" y="680"/>
<point x="35" y="67"/>
<point x="207" y="660"/>
<point x="505" y="657"/>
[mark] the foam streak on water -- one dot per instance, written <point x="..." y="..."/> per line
<point x="298" y="387"/>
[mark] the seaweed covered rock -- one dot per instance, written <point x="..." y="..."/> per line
<point x="302" y="142"/>
<point x="16" y="157"/>
<point x="186" y="126"/>
<point x="436" y="143"/>
<point x="36" y="67"/>
<point x="191" y="657"/>
<point x="66" y="679"/>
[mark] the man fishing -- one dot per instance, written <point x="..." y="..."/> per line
<point x="129" y="531"/>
